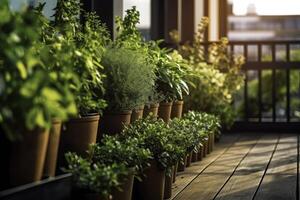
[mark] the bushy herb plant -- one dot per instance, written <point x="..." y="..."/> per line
<point x="89" y="177"/>
<point x="127" y="151"/>
<point x="129" y="79"/>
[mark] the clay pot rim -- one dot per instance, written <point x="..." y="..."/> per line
<point x="178" y="102"/>
<point x="163" y="103"/>
<point x="152" y="105"/>
<point x="139" y="108"/>
<point x="123" y="112"/>
<point x="56" y="120"/>
<point x="85" y="118"/>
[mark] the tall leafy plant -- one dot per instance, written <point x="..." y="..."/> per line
<point x="30" y="94"/>
<point x="86" y="56"/>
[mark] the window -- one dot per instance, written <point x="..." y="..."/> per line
<point x="144" y="7"/>
<point x="48" y="10"/>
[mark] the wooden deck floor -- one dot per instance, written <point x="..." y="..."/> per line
<point x="242" y="167"/>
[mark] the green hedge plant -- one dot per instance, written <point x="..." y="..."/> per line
<point x="129" y="79"/>
<point x="30" y="94"/>
<point x="125" y="151"/>
<point x="94" y="178"/>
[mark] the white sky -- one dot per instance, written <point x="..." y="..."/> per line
<point x="268" y="7"/>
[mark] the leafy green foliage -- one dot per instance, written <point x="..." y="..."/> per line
<point x="30" y="94"/>
<point x="170" y="71"/>
<point x="129" y="79"/>
<point x="123" y="151"/>
<point x="86" y="53"/>
<point x="154" y="135"/>
<point x="92" y="177"/>
<point x="215" y="78"/>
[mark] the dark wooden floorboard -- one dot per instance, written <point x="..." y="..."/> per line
<point x="244" y="182"/>
<point x="184" y="178"/>
<point x="213" y="178"/>
<point x="280" y="181"/>
<point x="258" y="166"/>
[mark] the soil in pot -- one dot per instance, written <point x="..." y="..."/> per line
<point x="79" y="133"/>
<point x="113" y="123"/>
<point x="137" y="113"/>
<point x="152" y="108"/>
<point x="189" y="159"/>
<point x="168" y="184"/>
<point x="152" y="185"/>
<point x="52" y="149"/>
<point x="126" y="189"/>
<point x="195" y="156"/>
<point x="164" y="111"/>
<point x="177" y="108"/>
<point x="28" y="157"/>
<point x="181" y="166"/>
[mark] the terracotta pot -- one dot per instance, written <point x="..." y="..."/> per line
<point x="152" y="108"/>
<point x="126" y="189"/>
<point x="177" y="108"/>
<point x="212" y="146"/>
<point x="168" y="184"/>
<point x="164" y="111"/>
<point x="195" y="156"/>
<point x="77" y="136"/>
<point x="175" y="172"/>
<point x="189" y="159"/>
<point x="205" y="148"/>
<point x="152" y="186"/>
<point x="200" y="153"/>
<point x="113" y="123"/>
<point x="181" y="166"/>
<point x="28" y="157"/>
<point x="137" y="113"/>
<point x="52" y="149"/>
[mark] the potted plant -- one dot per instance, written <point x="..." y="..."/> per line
<point x="170" y="83"/>
<point x="122" y="151"/>
<point x="128" y="36"/>
<point x="93" y="181"/>
<point x="30" y="95"/>
<point x="54" y="51"/>
<point x="86" y="47"/>
<point x="129" y="81"/>
<point x="153" y="135"/>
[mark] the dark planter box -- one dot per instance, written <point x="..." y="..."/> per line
<point x="57" y="188"/>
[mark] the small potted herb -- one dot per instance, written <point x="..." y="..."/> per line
<point x="153" y="135"/>
<point x="129" y="81"/>
<point x="128" y="36"/>
<point x="122" y="151"/>
<point x="93" y="181"/>
<point x="170" y="78"/>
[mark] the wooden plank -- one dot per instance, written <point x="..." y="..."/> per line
<point x="280" y="180"/>
<point x="184" y="178"/>
<point x="243" y="184"/>
<point x="211" y="180"/>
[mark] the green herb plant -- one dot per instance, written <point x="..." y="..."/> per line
<point x="89" y="177"/>
<point x="127" y="151"/>
<point x="129" y="79"/>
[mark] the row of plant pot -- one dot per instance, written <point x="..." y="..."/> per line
<point x="149" y="149"/>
